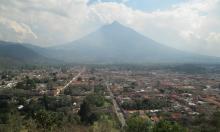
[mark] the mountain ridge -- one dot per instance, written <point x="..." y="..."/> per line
<point x="112" y="43"/>
<point x="117" y="43"/>
<point x="14" y="54"/>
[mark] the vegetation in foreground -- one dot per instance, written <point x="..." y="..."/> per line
<point x="54" y="114"/>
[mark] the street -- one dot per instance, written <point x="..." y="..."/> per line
<point x="117" y="109"/>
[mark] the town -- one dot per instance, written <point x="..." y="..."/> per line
<point x="107" y="98"/>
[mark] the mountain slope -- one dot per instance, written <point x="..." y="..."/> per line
<point x="116" y="43"/>
<point x="12" y="54"/>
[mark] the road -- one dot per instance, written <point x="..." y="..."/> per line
<point x="117" y="109"/>
<point x="70" y="82"/>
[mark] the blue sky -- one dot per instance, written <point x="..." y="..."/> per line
<point x="150" y="5"/>
<point x="145" y="5"/>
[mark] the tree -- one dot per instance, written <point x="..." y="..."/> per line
<point x="95" y="99"/>
<point x="204" y="123"/>
<point x="84" y="111"/>
<point x="14" y="123"/>
<point x="30" y="83"/>
<point x="47" y="119"/>
<point x="86" y="115"/>
<point x="216" y="120"/>
<point x="79" y="79"/>
<point x="6" y="108"/>
<point x="45" y="101"/>
<point x="166" y="126"/>
<point x="138" y="124"/>
<point x="20" y="85"/>
<point x="3" y="82"/>
<point x="104" y="125"/>
<point x="92" y="118"/>
<point x="4" y="76"/>
<point x="50" y="84"/>
<point x="27" y="84"/>
<point x="31" y="126"/>
<point x="157" y="84"/>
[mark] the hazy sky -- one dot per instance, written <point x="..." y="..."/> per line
<point x="192" y="25"/>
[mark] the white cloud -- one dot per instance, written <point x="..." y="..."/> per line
<point x="20" y="30"/>
<point x="191" y="25"/>
<point x="213" y="38"/>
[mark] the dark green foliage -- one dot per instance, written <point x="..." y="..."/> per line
<point x="95" y="99"/>
<point x="44" y="113"/>
<point x="50" y="84"/>
<point x="166" y="126"/>
<point x="138" y="124"/>
<point x="3" y="76"/>
<point x="85" y="111"/>
<point x="6" y="75"/>
<point x="14" y="123"/>
<point x="86" y="115"/>
<point x="92" y="118"/>
<point x="205" y="123"/>
<point x="44" y="80"/>
<point x="47" y="119"/>
<point x="90" y="103"/>
<point x="99" y="89"/>
<point x="31" y="108"/>
<point x="27" y="84"/>
<point x="3" y="83"/>
<point x="6" y="108"/>
<point x="77" y="90"/>
<point x="53" y="103"/>
<point x="4" y="117"/>
<point x="44" y="101"/>
<point x="79" y="79"/>
<point x="216" y="120"/>
<point x="146" y="104"/>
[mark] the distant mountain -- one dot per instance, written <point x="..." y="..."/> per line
<point x="48" y="52"/>
<point x="115" y="43"/>
<point x="13" y="54"/>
